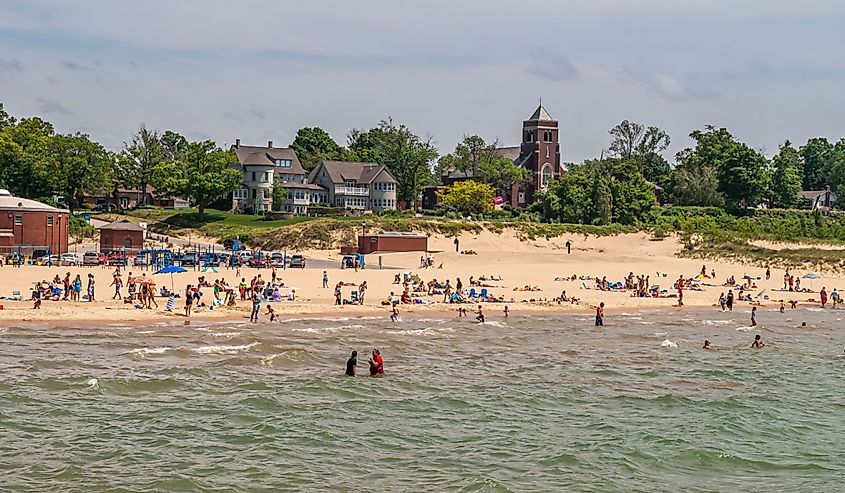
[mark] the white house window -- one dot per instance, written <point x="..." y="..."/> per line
<point x="546" y="175"/>
<point x="283" y="163"/>
<point x="240" y="194"/>
<point x="49" y="220"/>
<point x="18" y="220"/>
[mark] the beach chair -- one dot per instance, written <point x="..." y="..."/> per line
<point x="16" y="295"/>
<point x="472" y="293"/>
<point x="353" y="296"/>
<point x="483" y="294"/>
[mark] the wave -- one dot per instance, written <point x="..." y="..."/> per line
<point x="210" y="349"/>
<point x="668" y="343"/>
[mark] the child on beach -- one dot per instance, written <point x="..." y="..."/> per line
<point x="376" y="364"/>
<point x="754" y="316"/>
<point x="271" y="312"/>
<point x="394" y="314"/>
<point x="782" y="307"/>
<point x="479" y="315"/>
<point x="758" y="342"/>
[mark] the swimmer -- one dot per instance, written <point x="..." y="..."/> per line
<point x="803" y="324"/>
<point x="758" y="342"/>
<point x="351" y="364"/>
<point x="506" y="311"/>
<point x="376" y="364"/>
<point x="706" y="344"/>
<point x="754" y="316"/>
<point x="600" y="315"/>
<point x="479" y="315"/>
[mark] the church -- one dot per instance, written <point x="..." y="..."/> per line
<point x="539" y="153"/>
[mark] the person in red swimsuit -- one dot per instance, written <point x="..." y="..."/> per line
<point x="376" y="364"/>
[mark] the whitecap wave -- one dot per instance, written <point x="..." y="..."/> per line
<point x="143" y="351"/>
<point x="743" y="329"/>
<point x="223" y="349"/>
<point x="668" y="343"/>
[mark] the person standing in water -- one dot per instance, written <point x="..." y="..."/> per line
<point x="394" y="314"/>
<point x="823" y="296"/>
<point x="600" y="315"/>
<point x="256" y="304"/>
<point x="722" y="301"/>
<point x="479" y="315"/>
<point x="376" y="364"/>
<point x="706" y="344"/>
<point x="753" y="316"/>
<point x="758" y="342"/>
<point x="729" y="301"/>
<point x="351" y="364"/>
<point x="189" y="300"/>
<point x="507" y="312"/>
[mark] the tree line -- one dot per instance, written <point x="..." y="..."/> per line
<point x="718" y="170"/>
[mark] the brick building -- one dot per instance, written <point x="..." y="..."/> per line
<point x="121" y="235"/>
<point x="27" y="225"/>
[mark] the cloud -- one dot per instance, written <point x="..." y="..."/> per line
<point x="47" y="105"/>
<point x="75" y="66"/>
<point x="556" y="68"/>
<point x="665" y="85"/>
<point x="9" y="68"/>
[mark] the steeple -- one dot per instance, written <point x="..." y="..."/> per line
<point x="540" y="114"/>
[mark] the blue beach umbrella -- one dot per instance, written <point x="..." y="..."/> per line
<point x="171" y="269"/>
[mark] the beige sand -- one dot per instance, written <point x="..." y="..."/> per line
<point x="518" y="262"/>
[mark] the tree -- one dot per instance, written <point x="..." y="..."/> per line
<point x="836" y="177"/>
<point x="6" y="120"/>
<point x="207" y="175"/>
<point x="741" y="172"/>
<point x="173" y="146"/>
<point x="786" y="176"/>
<point x="817" y="155"/>
<point x="312" y="145"/>
<point x="24" y="150"/>
<point x="484" y="163"/>
<point x="469" y="197"/>
<point x="634" y="140"/>
<point x="143" y="154"/>
<point x="599" y="192"/>
<point x="77" y="165"/>
<point x="407" y="156"/>
<point x="696" y="184"/>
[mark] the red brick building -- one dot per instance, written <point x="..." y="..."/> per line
<point x="392" y="242"/>
<point x="120" y="236"/>
<point x="27" y="225"/>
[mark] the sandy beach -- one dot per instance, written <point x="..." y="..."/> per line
<point x="519" y="263"/>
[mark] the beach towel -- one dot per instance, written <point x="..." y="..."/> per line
<point x="171" y="303"/>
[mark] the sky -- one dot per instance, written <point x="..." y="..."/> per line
<point x="259" y="70"/>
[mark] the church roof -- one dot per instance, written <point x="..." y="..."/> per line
<point x="540" y="114"/>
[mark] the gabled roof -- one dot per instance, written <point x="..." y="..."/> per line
<point x="811" y="194"/>
<point x="122" y="226"/>
<point x="510" y="152"/>
<point x="302" y="186"/>
<point x="267" y="156"/>
<point x="540" y="114"/>
<point x="9" y="202"/>
<point x="340" y="171"/>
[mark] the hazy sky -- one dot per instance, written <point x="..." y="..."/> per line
<point x="259" y="70"/>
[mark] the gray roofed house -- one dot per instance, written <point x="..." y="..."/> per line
<point x="262" y="167"/>
<point x="350" y="185"/>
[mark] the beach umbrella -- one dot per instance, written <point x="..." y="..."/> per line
<point x="210" y="269"/>
<point x="171" y="269"/>
<point x="811" y="275"/>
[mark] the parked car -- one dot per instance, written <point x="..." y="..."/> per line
<point x="140" y="260"/>
<point x="188" y="260"/>
<point x="277" y="259"/>
<point x="117" y="258"/>
<point x="348" y="261"/>
<point x="52" y="260"/>
<point x="91" y="258"/>
<point x="297" y="262"/>
<point x="70" y="259"/>
<point x="258" y="261"/>
<point x="104" y="208"/>
<point x="38" y="255"/>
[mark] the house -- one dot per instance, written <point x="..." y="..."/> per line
<point x="130" y="198"/>
<point x="262" y="167"/>
<point x="818" y="199"/>
<point x="358" y="186"/>
<point x="539" y="153"/>
<point x="300" y="196"/>
<point x="27" y="226"/>
<point x="121" y="236"/>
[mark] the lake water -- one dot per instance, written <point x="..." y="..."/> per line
<point x="540" y="403"/>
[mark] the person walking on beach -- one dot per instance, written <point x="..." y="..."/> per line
<point x="768" y="273"/>
<point x="256" y="305"/>
<point x="753" y="316"/>
<point x="568" y="247"/>
<point x="90" y="287"/>
<point x="117" y="282"/>
<point x="600" y="315"/>
<point x="351" y="364"/>
<point x="722" y="301"/>
<point x="338" y="294"/>
<point x="758" y="342"/>
<point x="456" y="245"/>
<point x="189" y="300"/>
<point x="680" y="287"/>
<point x="823" y="296"/>
<point x="834" y="298"/>
<point x="376" y="364"/>
<point x="729" y="301"/>
<point x="325" y="280"/>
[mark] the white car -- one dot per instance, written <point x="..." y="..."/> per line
<point x="70" y="259"/>
<point x="52" y="260"/>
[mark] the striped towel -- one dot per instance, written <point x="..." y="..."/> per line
<point x="171" y="302"/>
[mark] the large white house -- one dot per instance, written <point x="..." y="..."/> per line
<point x="345" y="185"/>
<point x="348" y="185"/>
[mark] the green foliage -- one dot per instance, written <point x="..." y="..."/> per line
<point x="470" y="197"/>
<point x="786" y="177"/>
<point x="312" y="145"/>
<point x="817" y="155"/>
<point x="484" y="163"/>
<point x="75" y="165"/>
<point x="173" y="146"/>
<point x="206" y="174"/>
<point x="143" y="154"/>
<point x="407" y="156"/>
<point x="599" y="192"/>
<point x="79" y="228"/>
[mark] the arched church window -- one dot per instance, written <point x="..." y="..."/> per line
<point x="546" y="175"/>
